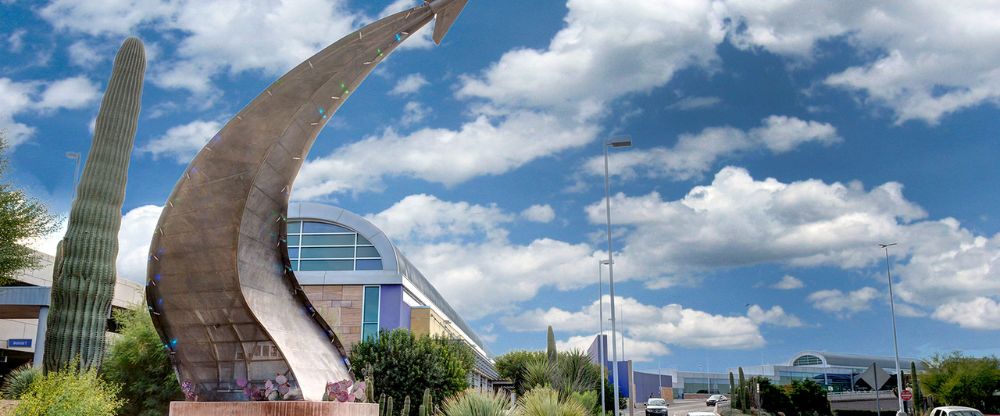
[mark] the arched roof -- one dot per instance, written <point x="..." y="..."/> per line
<point x="856" y="360"/>
<point x="393" y="259"/>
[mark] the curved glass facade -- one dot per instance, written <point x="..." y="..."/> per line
<point x="325" y="246"/>
<point x="807" y="360"/>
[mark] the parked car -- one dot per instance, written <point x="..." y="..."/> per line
<point x="715" y="398"/>
<point x="656" y="407"/>
<point x="955" y="411"/>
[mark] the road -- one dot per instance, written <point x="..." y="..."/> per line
<point x="682" y="407"/>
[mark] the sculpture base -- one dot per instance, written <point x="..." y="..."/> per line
<point x="272" y="409"/>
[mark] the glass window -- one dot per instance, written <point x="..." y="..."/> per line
<point x="328" y="240"/>
<point x="328" y="253"/>
<point x="807" y="360"/>
<point x="319" y="246"/>
<point x="365" y="264"/>
<point x="323" y="265"/>
<point x="322" y="227"/>
<point x="369" y="312"/>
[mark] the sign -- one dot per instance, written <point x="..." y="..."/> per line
<point x="18" y="343"/>
<point x="906" y="395"/>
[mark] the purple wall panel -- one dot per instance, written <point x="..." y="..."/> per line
<point x="390" y="305"/>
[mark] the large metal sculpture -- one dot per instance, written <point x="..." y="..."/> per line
<point x="220" y="287"/>
<point x="83" y="278"/>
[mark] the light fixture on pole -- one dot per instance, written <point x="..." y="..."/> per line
<point x="614" y="142"/>
<point x="895" y="340"/>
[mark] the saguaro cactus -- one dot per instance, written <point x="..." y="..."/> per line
<point x="83" y="280"/>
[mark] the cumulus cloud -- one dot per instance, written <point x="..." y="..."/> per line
<point x="424" y="218"/>
<point x="844" y="304"/>
<point x="42" y="97"/>
<point x="539" y="213"/>
<point x="480" y="147"/>
<point x="774" y="316"/>
<point x="409" y="84"/>
<point x="694" y="154"/>
<point x="72" y="93"/>
<point x="183" y="142"/>
<point x="83" y="54"/>
<point x="670" y="324"/>
<point x="638" y="350"/>
<point x="133" y="241"/>
<point x="788" y="282"/>
<point x="980" y="313"/>
<point x="15" y="97"/>
<point x="694" y="103"/>
<point x="413" y="113"/>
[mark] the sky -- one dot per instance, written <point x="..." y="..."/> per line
<point x="775" y="144"/>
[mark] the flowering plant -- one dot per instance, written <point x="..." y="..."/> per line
<point x="345" y="391"/>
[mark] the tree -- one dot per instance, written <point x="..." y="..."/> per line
<point x="958" y="380"/>
<point x="513" y="366"/>
<point x="21" y="218"/>
<point x="402" y="364"/>
<point x="138" y="362"/>
<point x="772" y="398"/>
<point x="808" y="398"/>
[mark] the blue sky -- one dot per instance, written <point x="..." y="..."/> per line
<point x="775" y="143"/>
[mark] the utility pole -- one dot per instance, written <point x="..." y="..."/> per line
<point x="895" y="339"/>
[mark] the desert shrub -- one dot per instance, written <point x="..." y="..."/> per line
<point x="958" y="380"/>
<point x="544" y="401"/>
<point x="138" y="362"/>
<point x="808" y="398"/>
<point x="475" y="403"/>
<point x="401" y="364"/>
<point x="70" y="392"/>
<point x="18" y="381"/>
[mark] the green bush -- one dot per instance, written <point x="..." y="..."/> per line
<point x="138" y="362"/>
<point x="402" y="364"/>
<point x="475" y="403"/>
<point x="543" y="401"/>
<point x="70" y="392"/>
<point x="809" y="398"/>
<point x="957" y="380"/>
<point x="18" y="381"/>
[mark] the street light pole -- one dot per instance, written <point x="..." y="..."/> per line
<point x="76" y="171"/>
<point x="600" y="337"/>
<point x="895" y="340"/>
<point x="620" y="142"/>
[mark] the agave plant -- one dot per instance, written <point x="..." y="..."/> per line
<point x="17" y="382"/>
<point x="476" y="403"/>
<point x="544" y="401"/>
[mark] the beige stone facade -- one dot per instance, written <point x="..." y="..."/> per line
<point x="340" y="306"/>
<point x="424" y="321"/>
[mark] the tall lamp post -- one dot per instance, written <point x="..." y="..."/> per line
<point x="895" y="340"/>
<point x="614" y="142"/>
<point x="76" y="171"/>
<point x="601" y="345"/>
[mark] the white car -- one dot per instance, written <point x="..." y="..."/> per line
<point x="955" y="411"/>
<point x="656" y="407"/>
<point x="715" y="398"/>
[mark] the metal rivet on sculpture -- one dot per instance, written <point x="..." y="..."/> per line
<point x="220" y="287"/>
<point x="83" y="278"/>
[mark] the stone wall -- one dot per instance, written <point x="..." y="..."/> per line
<point x="340" y="306"/>
<point x="272" y="409"/>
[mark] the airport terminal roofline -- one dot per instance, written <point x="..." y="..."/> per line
<point x="857" y="360"/>
<point x="395" y="262"/>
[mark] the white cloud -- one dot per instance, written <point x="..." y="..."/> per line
<point x="409" y="84"/>
<point x="774" y="316"/>
<point x="446" y="156"/>
<point x="463" y="250"/>
<point x="72" y="93"/>
<point x="182" y="142"/>
<point x="930" y="58"/>
<point x="83" y="55"/>
<point x="638" y="351"/>
<point x="670" y="324"/>
<point x="539" y="213"/>
<point x="16" y="40"/>
<point x="694" y="154"/>
<point x="980" y="313"/>
<point x="133" y="241"/>
<point x="413" y="113"/>
<point x="15" y="98"/>
<point x="843" y="304"/>
<point x="788" y="282"/>
<point x="694" y="103"/>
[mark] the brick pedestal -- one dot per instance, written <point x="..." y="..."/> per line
<point x="272" y="409"/>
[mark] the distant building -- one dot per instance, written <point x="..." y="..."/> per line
<point x="25" y="301"/>
<point x="360" y="283"/>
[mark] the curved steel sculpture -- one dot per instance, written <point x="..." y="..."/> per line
<point x="220" y="286"/>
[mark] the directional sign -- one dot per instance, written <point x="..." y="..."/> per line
<point x="23" y="343"/>
<point x="906" y="395"/>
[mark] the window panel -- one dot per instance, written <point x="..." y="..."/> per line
<point x="363" y="241"/>
<point x="367" y="252"/>
<point x="328" y="240"/>
<point x="327" y="252"/>
<point x="293" y="253"/>
<point x="369" y="264"/>
<point x="293" y="240"/>
<point x="294" y="226"/>
<point x="295" y="265"/>
<point x="324" y="265"/>
<point x="370" y="309"/>
<point x="369" y="330"/>
<point x="322" y="227"/>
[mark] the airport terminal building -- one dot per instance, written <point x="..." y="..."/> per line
<point x="360" y="283"/>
